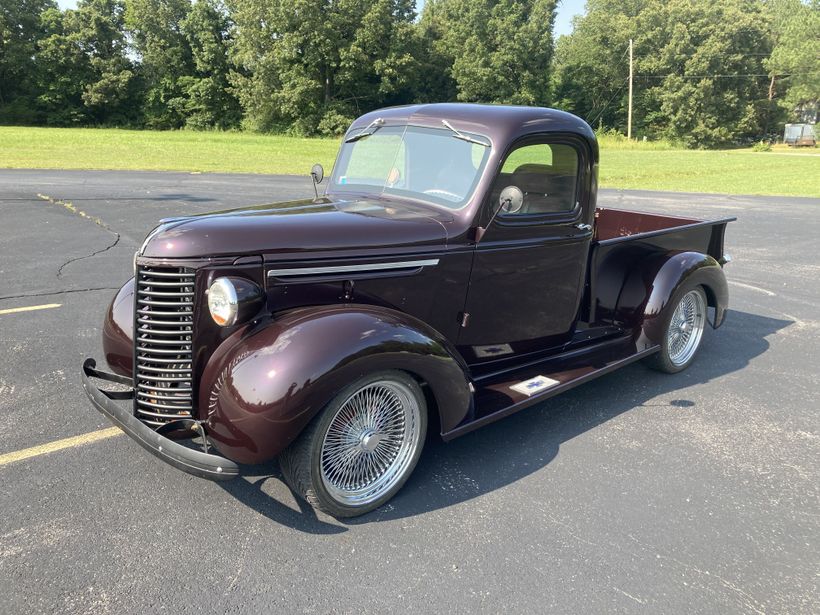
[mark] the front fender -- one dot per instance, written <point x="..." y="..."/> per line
<point x="266" y="382"/>
<point x="118" y="331"/>
<point x="667" y="274"/>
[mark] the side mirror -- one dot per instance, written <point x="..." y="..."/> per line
<point x="511" y="199"/>
<point x="317" y="173"/>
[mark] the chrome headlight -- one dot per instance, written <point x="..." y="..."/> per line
<point x="234" y="299"/>
<point x="223" y="302"/>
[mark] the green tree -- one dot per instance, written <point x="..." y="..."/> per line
<point x="492" y="50"/>
<point x="108" y="95"/>
<point x="699" y="68"/>
<point x="210" y="102"/>
<point x="715" y="89"/>
<point x="164" y="54"/>
<point x="794" y="64"/>
<point x="85" y="75"/>
<point x="310" y="66"/>
<point x="590" y="71"/>
<point x="21" y="30"/>
<point x="64" y="68"/>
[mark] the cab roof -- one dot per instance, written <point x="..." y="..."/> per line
<point x="503" y="124"/>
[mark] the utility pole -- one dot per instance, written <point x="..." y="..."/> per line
<point x="629" y="112"/>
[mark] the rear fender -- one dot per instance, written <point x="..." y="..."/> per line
<point x="266" y="382"/>
<point x="648" y="292"/>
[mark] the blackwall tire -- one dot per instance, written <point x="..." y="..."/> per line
<point x="361" y="449"/>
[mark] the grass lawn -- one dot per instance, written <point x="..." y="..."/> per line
<point x="649" y="166"/>
<point x="146" y="150"/>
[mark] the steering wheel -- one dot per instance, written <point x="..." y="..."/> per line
<point x="450" y="196"/>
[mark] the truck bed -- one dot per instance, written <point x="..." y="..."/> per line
<point x="624" y="239"/>
<point x="654" y="231"/>
<point x="615" y="223"/>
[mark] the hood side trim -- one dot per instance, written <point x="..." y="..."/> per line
<point x="300" y="271"/>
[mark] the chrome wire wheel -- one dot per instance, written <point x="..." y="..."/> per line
<point x="370" y="443"/>
<point x="686" y="328"/>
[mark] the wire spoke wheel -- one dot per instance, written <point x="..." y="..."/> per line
<point x="686" y="328"/>
<point x="370" y="442"/>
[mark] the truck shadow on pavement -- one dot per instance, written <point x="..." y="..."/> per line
<point x="513" y="448"/>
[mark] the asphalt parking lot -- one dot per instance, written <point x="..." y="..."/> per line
<point x="639" y="492"/>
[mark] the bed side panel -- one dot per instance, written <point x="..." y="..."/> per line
<point x="622" y="269"/>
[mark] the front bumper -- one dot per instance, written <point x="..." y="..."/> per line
<point x="204" y="465"/>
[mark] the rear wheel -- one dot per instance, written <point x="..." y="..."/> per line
<point x="683" y="332"/>
<point x="362" y="447"/>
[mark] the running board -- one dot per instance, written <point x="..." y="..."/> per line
<point x="515" y="391"/>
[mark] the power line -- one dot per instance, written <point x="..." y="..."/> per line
<point x="606" y="106"/>
<point x="721" y="76"/>
<point x="618" y="91"/>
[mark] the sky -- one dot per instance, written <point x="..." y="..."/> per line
<point x="567" y="9"/>
<point x="563" y="21"/>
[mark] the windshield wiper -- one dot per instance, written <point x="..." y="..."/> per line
<point x="462" y="136"/>
<point x="375" y="124"/>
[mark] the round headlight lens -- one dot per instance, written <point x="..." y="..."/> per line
<point x="222" y="302"/>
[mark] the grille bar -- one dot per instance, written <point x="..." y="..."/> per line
<point x="173" y="304"/>
<point x="167" y="361"/>
<point x="144" y="312"/>
<point x="157" y="331"/>
<point x="145" y="350"/>
<point x="160" y="389"/>
<point x="151" y="401"/>
<point x="170" y="272"/>
<point x="156" y="293"/>
<point x="149" y="378"/>
<point x="165" y="370"/>
<point x="164" y="344"/>
<point x="158" y="284"/>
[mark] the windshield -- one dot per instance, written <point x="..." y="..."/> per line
<point x="430" y="164"/>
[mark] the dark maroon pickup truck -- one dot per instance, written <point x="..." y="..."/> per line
<point x="455" y="271"/>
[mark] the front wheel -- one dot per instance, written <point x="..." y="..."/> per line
<point x="683" y="332"/>
<point x="362" y="447"/>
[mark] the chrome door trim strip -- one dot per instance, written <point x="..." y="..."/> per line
<point x="330" y="269"/>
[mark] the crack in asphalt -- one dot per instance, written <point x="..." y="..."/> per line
<point x="70" y="207"/>
<point x="79" y="258"/>
<point x="57" y="292"/>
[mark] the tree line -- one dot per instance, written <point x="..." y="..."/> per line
<point x="706" y="73"/>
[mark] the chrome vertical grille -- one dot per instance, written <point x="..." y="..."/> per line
<point x="164" y="331"/>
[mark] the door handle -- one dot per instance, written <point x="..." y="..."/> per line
<point x="583" y="227"/>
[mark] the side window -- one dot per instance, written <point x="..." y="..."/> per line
<point x="547" y="174"/>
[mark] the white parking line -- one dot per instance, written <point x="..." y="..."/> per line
<point x="755" y="288"/>
<point x="30" y="308"/>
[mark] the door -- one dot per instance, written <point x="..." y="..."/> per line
<point x="528" y="268"/>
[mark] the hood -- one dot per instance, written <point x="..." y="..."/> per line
<point x="302" y="229"/>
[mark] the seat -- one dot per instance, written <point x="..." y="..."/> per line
<point x="545" y="188"/>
